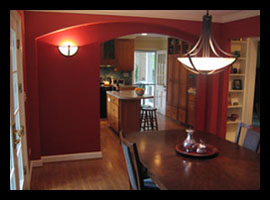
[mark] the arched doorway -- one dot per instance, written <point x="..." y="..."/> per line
<point x="69" y="87"/>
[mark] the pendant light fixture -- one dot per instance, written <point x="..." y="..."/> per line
<point x="206" y="57"/>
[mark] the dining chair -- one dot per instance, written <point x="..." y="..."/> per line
<point x="252" y="138"/>
<point x="138" y="178"/>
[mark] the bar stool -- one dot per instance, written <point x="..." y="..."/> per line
<point x="148" y="118"/>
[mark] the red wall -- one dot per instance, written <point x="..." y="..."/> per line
<point x="63" y="93"/>
<point x="68" y="100"/>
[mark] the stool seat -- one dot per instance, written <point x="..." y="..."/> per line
<point x="148" y="118"/>
<point x="148" y="108"/>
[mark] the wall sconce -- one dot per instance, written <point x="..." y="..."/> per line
<point x="68" y="48"/>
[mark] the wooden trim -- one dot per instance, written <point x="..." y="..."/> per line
<point x="34" y="163"/>
<point x="70" y="157"/>
<point x="64" y="157"/>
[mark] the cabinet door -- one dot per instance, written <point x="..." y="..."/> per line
<point x="191" y="110"/>
<point x="175" y="94"/>
<point x="182" y="115"/>
<point x="124" y="50"/>
<point x="182" y="96"/>
<point x="170" y="64"/>
<point x="169" y="94"/>
<point x="107" y="53"/>
<point x="176" y="69"/>
<point x="182" y="73"/>
<point x="109" y="113"/>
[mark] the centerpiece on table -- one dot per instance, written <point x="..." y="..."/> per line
<point x="190" y="147"/>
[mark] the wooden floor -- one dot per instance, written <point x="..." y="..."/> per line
<point x="107" y="173"/>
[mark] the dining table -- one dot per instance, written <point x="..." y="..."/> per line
<point x="232" y="167"/>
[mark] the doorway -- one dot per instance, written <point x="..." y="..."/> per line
<point x="19" y="170"/>
<point x="256" y="104"/>
<point x="144" y="73"/>
<point x="161" y="81"/>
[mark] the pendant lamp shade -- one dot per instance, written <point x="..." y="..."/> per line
<point x="206" y="57"/>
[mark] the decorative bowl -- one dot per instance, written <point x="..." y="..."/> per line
<point x="139" y="91"/>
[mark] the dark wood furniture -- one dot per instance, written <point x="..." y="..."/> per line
<point x="252" y="137"/>
<point x="138" y="178"/>
<point x="179" y="104"/>
<point x="149" y="118"/>
<point x="118" y="53"/>
<point x="234" y="168"/>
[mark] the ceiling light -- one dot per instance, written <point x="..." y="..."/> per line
<point x="206" y="57"/>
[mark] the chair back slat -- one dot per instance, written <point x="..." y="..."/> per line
<point x="133" y="163"/>
<point x="252" y="138"/>
<point x="130" y="167"/>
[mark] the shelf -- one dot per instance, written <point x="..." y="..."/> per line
<point x="238" y="106"/>
<point x="241" y="59"/>
<point x="236" y="75"/>
<point x="233" y="122"/>
<point x="238" y="42"/>
<point x="235" y="91"/>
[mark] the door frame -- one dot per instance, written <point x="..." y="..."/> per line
<point x="15" y="19"/>
<point x="164" y="76"/>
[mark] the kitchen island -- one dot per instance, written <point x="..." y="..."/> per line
<point x="123" y="110"/>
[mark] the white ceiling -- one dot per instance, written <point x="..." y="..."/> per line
<point x="221" y="16"/>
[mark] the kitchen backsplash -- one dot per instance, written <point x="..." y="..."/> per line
<point x="106" y="72"/>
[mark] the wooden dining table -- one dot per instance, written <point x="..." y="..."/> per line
<point x="233" y="168"/>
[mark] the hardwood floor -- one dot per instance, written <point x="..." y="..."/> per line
<point x="108" y="173"/>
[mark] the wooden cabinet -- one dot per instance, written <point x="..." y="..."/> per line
<point x="191" y="109"/>
<point x="124" y="51"/>
<point x="113" y="112"/>
<point x="119" y="53"/>
<point x="107" y="53"/>
<point x="123" y="114"/>
<point x="177" y="106"/>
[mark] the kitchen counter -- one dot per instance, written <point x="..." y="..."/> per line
<point x="128" y="95"/>
<point x="124" y="109"/>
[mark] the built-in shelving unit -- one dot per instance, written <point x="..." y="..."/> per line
<point x="241" y="85"/>
<point x="237" y="78"/>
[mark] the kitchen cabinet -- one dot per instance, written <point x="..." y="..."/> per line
<point x="118" y="53"/>
<point x="179" y="105"/>
<point x="124" y="50"/>
<point x="113" y="112"/>
<point x="123" y="110"/>
<point x="107" y="53"/>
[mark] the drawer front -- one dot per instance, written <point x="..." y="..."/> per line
<point x="112" y="99"/>
<point x="114" y="123"/>
<point x="114" y="111"/>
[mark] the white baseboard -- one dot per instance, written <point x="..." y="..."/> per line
<point x="70" y="157"/>
<point x="63" y="157"/>
<point x="36" y="163"/>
